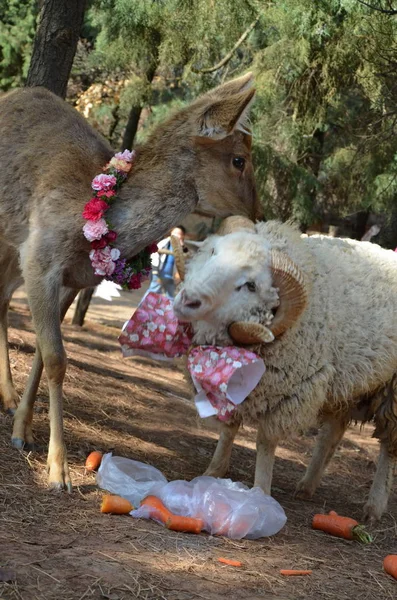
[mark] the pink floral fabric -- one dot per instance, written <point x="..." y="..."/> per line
<point x="223" y="376"/>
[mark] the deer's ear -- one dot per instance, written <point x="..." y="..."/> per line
<point x="235" y="86"/>
<point x="221" y="116"/>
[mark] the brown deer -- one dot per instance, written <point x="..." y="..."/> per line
<point x="200" y="157"/>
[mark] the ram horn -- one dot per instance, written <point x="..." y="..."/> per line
<point x="290" y="281"/>
<point x="247" y="333"/>
<point x="235" y="223"/>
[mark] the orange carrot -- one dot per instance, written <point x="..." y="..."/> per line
<point x="230" y="562"/>
<point x="159" y="512"/>
<point x="93" y="460"/>
<point x="115" y="505"/>
<point x="343" y="527"/>
<point x="293" y="572"/>
<point x="390" y="565"/>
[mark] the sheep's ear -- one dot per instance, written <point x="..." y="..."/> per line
<point x="222" y="116"/>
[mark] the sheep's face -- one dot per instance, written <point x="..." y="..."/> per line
<point x="229" y="279"/>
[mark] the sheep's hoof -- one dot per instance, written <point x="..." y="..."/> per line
<point x="304" y="491"/>
<point x="372" y="513"/>
<point x="11" y="411"/>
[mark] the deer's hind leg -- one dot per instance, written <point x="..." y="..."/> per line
<point x="10" y="279"/>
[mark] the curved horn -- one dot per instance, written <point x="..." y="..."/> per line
<point x="250" y="333"/>
<point x="290" y="281"/>
<point x="177" y="251"/>
<point x="235" y="223"/>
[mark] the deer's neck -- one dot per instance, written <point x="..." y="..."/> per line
<point x="155" y="197"/>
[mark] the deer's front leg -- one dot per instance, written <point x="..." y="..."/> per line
<point x="22" y="436"/>
<point x="43" y="291"/>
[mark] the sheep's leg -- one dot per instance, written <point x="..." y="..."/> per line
<point x="328" y="440"/>
<point x="22" y="436"/>
<point x="265" y="453"/>
<point x="219" y="464"/>
<point x="381" y="485"/>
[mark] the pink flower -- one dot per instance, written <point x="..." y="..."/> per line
<point x="94" y="230"/>
<point x="135" y="282"/>
<point x="103" y="182"/>
<point x="108" y="194"/>
<point x="126" y="155"/>
<point x="103" y="260"/>
<point x="94" y="209"/>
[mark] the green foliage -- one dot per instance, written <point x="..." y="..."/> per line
<point x="325" y="115"/>
<point x="17" y="28"/>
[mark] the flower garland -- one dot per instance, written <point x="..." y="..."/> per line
<point x="105" y="257"/>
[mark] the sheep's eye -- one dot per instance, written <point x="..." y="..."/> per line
<point x="239" y="163"/>
<point x="213" y="252"/>
<point x="251" y="286"/>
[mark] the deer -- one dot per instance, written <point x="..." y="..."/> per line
<point x="200" y="158"/>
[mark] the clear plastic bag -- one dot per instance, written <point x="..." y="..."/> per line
<point x="227" y="508"/>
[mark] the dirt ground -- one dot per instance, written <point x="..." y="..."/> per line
<point x="59" y="546"/>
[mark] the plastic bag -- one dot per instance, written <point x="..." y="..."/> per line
<point x="227" y="508"/>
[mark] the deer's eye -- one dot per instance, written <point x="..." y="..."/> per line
<point x="251" y="286"/>
<point x="239" y="163"/>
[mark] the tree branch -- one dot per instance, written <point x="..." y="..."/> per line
<point x="385" y="11"/>
<point x="229" y="55"/>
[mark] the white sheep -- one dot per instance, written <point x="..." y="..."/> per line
<point x="331" y="306"/>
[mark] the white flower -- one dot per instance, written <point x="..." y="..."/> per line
<point x="152" y="326"/>
<point x="168" y="337"/>
<point x="214" y="355"/>
<point x="223" y="387"/>
<point x="134" y="337"/>
<point x="145" y="333"/>
<point x="229" y="360"/>
<point x="198" y="369"/>
<point x="161" y="328"/>
<point x="160" y="312"/>
<point x="237" y="364"/>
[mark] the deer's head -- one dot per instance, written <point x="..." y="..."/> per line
<point x="207" y="147"/>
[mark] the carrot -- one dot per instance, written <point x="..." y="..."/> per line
<point x="230" y="562"/>
<point x="293" y="572"/>
<point x="93" y="460"/>
<point x="343" y="527"/>
<point x="115" y="505"/>
<point x="159" y="512"/>
<point x="390" y="565"/>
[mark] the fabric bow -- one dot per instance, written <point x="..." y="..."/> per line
<point x="223" y="376"/>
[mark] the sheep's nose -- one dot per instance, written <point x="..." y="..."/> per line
<point x="190" y="302"/>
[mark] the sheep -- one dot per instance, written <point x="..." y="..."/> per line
<point x="330" y="305"/>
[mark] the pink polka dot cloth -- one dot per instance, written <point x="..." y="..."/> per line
<point x="223" y="376"/>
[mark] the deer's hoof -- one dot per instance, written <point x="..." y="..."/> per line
<point x="18" y="443"/>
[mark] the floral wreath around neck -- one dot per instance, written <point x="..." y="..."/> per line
<point x="105" y="257"/>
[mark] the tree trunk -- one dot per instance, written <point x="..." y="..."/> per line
<point x="55" y="44"/>
<point x="135" y="113"/>
<point x="131" y="128"/>
<point x="83" y="303"/>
